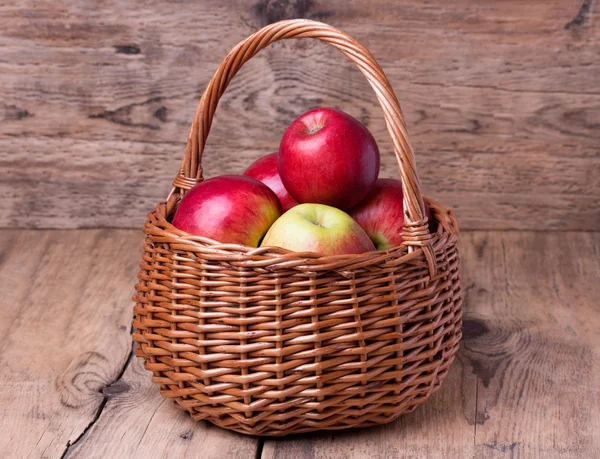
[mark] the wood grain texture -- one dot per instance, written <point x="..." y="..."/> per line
<point x="534" y="344"/>
<point x="138" y="423"/>
<point x="501" y="99"/>
<point x="65" y="321"/>
<point x="529" y="372"/>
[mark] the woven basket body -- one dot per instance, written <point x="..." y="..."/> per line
<point x="271" y="342"/>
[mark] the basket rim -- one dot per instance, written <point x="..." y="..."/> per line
<point x="161" y="229"/>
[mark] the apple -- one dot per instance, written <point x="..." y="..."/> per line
<point x="318" y="228"/>
<point x="328" y="157"/>
<point x="229" y="209"/>
<point x="381" y="214"/>
<point x="265" y="170"/>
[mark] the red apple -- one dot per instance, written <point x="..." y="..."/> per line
<point x="328" y="157"/>
<point x="265" y="170"/>
<point x="381" y="214"/>
<point x="230" y="209"/>
<point x="318" y="228"/>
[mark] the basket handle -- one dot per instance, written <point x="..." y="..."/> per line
<point x="416" y="232"/>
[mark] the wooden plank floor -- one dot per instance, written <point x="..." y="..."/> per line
<point x="526" y="383"/>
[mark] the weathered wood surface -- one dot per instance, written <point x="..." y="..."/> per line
<point x="502" y="100"/>
<point x="65" y="320"/>
<point x="532" y="340"/>
<point x="65" y="317"/>
<point x="138" y="423"/>
<point x="525" y="384"/>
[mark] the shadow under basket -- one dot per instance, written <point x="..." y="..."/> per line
<point x="265" y="341"/>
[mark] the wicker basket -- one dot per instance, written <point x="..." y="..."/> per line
<point x="270" y="342"/>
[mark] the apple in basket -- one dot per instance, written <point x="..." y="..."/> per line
<point x="318" y="228"/>
<point x="229" y="209"/>
<point x="381" y="214"/>
<point x="328" y="157"/>
<point x="265" y="170"/>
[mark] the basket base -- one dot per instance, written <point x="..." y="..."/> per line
<point x="268" y="424"/>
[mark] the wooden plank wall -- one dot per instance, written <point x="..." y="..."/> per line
<point x="502" y="100"/>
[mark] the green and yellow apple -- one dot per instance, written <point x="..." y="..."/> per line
<point x="317" y="228"/>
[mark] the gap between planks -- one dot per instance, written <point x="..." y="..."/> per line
<point x="70" y="445"/>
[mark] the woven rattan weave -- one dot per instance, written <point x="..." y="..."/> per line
<point x="270" y="342"/>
